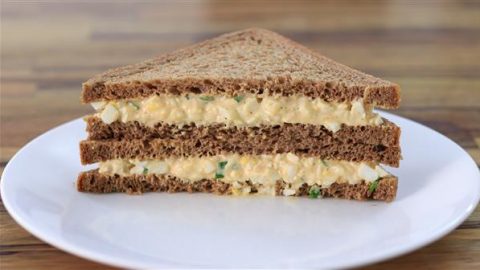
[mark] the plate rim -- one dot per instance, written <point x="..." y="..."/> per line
<point x="121" y="262"/>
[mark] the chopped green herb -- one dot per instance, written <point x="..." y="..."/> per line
<point x="145" y="170"/>
<point x="207" y="98"/>
<point x="222" y="164"/>
<point x="220" y="170"/>
<point x="134" y="105"/>
<point x="373" y="186"/>
<point x="324" y="163"/>
<point x="314" y="192"/>
<point x="238" y="99"/>
<point x="187" y="97"/>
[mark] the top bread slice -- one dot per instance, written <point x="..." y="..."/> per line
<point x="252" y="61"/>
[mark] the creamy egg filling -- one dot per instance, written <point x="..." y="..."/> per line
<point x="259" y="169"/>
<point x="238" y="111"/>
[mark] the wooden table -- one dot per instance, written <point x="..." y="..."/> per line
<point x="431" y="50"/>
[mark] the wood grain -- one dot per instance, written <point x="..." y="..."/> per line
<point x="431" y="48"/>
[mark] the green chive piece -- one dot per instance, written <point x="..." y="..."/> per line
<point x="207" y="98"/>
<point x="238" y="99"/>
<point x="145" y="170"/>
<point x="222" y="164"/>
<point x="324" y="163"/>
<point x="134" y="105"/>
<point x="221" y="167"/>
<point x="373" y="186"/>
<point x="187" y="97"/>
<point x="314" y="192"/>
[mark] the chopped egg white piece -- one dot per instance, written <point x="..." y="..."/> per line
<point x="98" y="105"/>
<point x="368" y="173"/>
<point x="288" y="192"/>
<point x="110" y="114"/>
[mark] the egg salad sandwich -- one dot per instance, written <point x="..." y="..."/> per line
<point x="248" y="112"/>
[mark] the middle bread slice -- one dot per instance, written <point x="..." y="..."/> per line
<point x="134" y="140"/>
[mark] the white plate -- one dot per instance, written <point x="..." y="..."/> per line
<point x="439" y="187"/>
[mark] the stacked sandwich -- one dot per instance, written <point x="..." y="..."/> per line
<point x="246" y="112"/>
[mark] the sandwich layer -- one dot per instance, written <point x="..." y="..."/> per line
<point x="96" y="151"/>
<point x="383" y="189"/>
<point x="238" y="111"/>
<point x="262" y="169"/>
<point x="302" y="135"/>
<point x="252" y="61"/>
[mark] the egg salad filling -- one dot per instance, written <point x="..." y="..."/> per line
<point x="238" y="111"/>
<point x="259" y="169"/>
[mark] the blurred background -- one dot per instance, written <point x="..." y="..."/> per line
<point x="48" y="48"/>
<point x="431" y="48"/>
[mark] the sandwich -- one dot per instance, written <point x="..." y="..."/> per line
<point x="248" y="112"/>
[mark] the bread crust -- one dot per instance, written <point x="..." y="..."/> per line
<point x="251" y="61"/>
<point x="95" y="182"/>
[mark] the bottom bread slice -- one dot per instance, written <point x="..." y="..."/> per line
<point x="383" y="189"/>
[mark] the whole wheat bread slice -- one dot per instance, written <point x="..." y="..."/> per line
<point x="254" y="61"/>
<point x="96" y="151"/>
<point x="95" y="182"/>
<point x="387" y="134"/>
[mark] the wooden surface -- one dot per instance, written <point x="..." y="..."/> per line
<point x="431" y="49"/>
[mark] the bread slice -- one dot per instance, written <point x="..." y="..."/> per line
<point x="303" y="135"/>
<point x="252" y="61"/>
<point x="93" y="181"/>
<point x="96" y="151"/>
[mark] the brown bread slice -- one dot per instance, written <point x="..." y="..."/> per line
<point x="387" y="134"/>
<point x="93" y="181"/>
<point x="253" y="61"/>
<point x="95" y="151"/>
